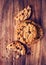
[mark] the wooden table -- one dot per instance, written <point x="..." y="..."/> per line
<point x="7" y="10"/>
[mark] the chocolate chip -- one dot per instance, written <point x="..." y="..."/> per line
<point x="28" y="10"/>
<point x="11" y="45"/>
<point x="22" y="13"/>
<point x="24" y="39"/>
<point x="29" y="31"/>
<point x="18" y="33"/>
<point x="17" y="47"/>
<point x="20" y="29"/>
<point x="13" y="42"/>
<point x="19" y="38"/>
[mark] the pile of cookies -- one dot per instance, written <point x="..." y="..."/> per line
<point x="25" y="34"/>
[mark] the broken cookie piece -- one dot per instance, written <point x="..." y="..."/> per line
<point x="18" y="48"/>
<point x="24" y="14"/>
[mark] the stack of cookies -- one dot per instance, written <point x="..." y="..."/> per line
<point x="26" y="33"/>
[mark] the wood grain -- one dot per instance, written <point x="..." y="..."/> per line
<point x="7" y="10"/>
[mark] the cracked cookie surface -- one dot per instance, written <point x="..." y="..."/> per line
<point x="26" y="32"/>
<point x="24" y="14"/>
<point x="18" y="48"/>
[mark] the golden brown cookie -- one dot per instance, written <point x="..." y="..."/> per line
<point x="27" y="32"/>
<point x="18" y="48"/>
<point x="24" y="14"/>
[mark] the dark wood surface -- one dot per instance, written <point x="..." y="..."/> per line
<point x="7" y="10"/>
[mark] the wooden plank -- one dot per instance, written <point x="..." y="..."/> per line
<point x="7" y="10"/>
<point x="6" y="27"/>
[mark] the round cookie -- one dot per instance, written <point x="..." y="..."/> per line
<point x="27" y="32"/>
<point x="18" y="48"/>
